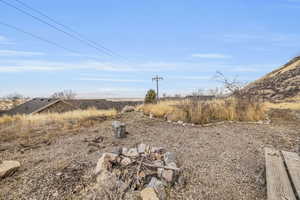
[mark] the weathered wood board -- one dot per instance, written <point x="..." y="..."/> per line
<point x="278" y="183"/>
<point x="292" y="161"/>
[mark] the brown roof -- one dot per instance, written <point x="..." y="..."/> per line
<point x="31" y="106"/>
<point x="38" y="104"/>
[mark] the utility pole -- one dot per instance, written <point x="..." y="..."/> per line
<point x="156" y="78"/>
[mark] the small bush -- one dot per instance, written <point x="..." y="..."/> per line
<point x="150" y="96"/>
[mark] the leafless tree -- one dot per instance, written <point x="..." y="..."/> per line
<point x="199" y="92"/>
<point x="217" y="92"/>
<point x="65" y="94"/>
<point x="233" y="86"/>
<point x="14" y="96"/>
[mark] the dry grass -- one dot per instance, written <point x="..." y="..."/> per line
<point x="283" y="105"/>
<point x="13" y="127"/>
<point x="45" y="118"/>
<point x="160" y="109"/>
<point x="201" y="112"/>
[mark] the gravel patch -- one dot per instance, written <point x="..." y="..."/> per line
<point x="218" y="162"/>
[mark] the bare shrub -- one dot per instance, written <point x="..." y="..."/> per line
<point x="65" y="94"/>
<point x="230" y="109"/>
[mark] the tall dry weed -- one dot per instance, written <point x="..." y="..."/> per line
<point x="202" y="112"/>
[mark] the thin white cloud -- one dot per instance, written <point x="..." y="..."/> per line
<point x="254" y="68"/>
<point x="211" y="56"/>
<point x="274" y="39"/>
<point x="190" y="77"/>
<point x="31" y="68"/>
<point x="13" y="53"/>
<point x="109" y="79"/>
<point x="24" y="65"/>
<point x="82" y="55"/>
<point x="41" y="65"/>
<point x="114" y="92"/>
<point x="2" y="38"/>
<point x="5" y="40"/>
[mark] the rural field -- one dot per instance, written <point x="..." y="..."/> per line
<point x="222" y="161"/>
<point x="149" y="100"/>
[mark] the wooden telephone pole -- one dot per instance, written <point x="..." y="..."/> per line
<point x="157" y="79"/>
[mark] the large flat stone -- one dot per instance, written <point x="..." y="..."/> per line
<point x="149" y="194"/>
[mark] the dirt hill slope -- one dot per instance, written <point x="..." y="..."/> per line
<point x="280" y="84"/>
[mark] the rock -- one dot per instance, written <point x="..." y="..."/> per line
<point x="156" y="149"/>
<point x="92" y="150"/>
<point x="158" y="156"/>
<point x="168" y="175"/>
<point x="159" y="172"/>
<point x="150" y="115"/>
<point x="142" y="148"/>
<point x="108" y="181"/>
<point x="128" y="109"/>
<point x="117" y="150"/>
<point x="124" y="150"/>
<point x="172" y="164"/>
<point x="149" y="194"/>
<point x="158" y="187"/>
<point x="181" y="182"/>
<point x="169" y="157"/>
<point x="104" y="163"/>
<point x="8" y="167"/>
<point x="55" y="194"/>
<point x="158" y="163"/>
<point x="126" y="161"/>
<point x="132" y="152"/>
<point x="179" y="122"/>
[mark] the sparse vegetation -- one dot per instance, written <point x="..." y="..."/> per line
<point x="283" y="105"/>
<point x="24" y="125"/>
<point x="201" y="112"/>
<point x="238" y="106"/>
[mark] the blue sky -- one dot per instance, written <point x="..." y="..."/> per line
<point x="186" y="42"/>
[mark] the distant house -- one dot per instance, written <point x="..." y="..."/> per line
<point x="45" y="105"/>
<point x="41" y="105"/>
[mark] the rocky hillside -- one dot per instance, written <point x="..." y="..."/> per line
<point x="280" y="84"/>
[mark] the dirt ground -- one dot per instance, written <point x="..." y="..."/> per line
<point x="219" y="162"/>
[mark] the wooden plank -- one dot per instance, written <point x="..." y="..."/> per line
<point x="278" y="183"/>
<point x="292" y="161"/>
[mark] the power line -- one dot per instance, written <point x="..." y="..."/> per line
<point x="54" y="27"/>
<point x="37" y="37"/>
<point x="64" y="26"/>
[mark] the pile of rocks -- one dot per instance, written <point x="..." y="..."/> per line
<point x="148" y="170"/>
